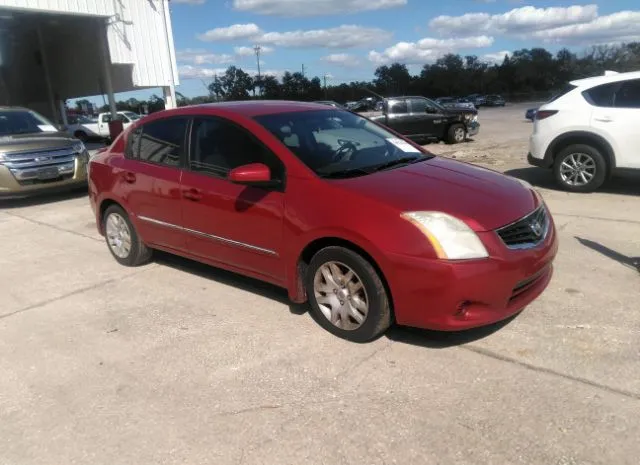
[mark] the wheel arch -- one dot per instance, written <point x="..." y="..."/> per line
<point x="320" y="243"/>
<point x="582" y="137"/>
<point x="102" y="208"/>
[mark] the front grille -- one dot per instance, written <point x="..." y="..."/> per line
<point x="42" y="166"/>
<point x="526" y="232"/>
<point x="36" y="159"/>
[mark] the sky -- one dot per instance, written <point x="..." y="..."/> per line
<point x="347" y="39"/>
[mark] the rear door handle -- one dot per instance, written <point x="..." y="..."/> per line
<point x="192" y="194"/>
<point x="604" y="119"/>
<point x="129" y="177"/>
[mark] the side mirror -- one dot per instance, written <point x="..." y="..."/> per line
<point x="253" y="174"/>
<point x="431" y="110"/>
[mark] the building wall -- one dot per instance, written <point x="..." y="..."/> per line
<point x="136" y="35"/>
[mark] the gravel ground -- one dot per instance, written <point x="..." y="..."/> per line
<point x="179" y="363"/>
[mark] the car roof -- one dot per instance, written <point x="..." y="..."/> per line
<point x="604" y="79"/>
<point x="262" y="107"/>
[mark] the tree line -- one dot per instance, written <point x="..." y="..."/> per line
<point x="527" y="74"/>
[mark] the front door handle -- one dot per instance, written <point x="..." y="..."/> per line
<point x="604" y="119"/>
<point x="192" y="194"/>
<point x="129" y="177"/>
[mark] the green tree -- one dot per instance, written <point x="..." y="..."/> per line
<point x="235" y="84"/>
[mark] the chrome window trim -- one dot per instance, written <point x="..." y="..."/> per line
<point x="208" y="236"/>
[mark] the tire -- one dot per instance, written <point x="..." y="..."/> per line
<point x="137" y="253"/>
<point x="81" y="135"/>
<point x="456" y="134"/>
<point x="350" y="296"/>
<point x="587" y="160"/>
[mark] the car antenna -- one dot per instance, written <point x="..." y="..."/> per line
<point x="374" y="93"/>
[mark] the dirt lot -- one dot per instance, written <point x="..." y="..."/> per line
<point x="179" y="363"/>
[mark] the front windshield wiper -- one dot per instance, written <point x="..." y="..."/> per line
<point x="397" y="162"/>
<point x="348" y="173"/>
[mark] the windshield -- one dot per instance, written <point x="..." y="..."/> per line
<point x="23" y="122"/>
<point x="338" y="143"/>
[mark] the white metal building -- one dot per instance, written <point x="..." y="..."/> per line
<point x="53" y="50"/>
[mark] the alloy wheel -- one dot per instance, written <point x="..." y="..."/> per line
<point x="578" y="169"/>
<point x="118" y="235"/>
<point x="341" y="295"/>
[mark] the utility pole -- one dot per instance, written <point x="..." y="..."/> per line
<point x="325" y="87"/>
<point x="258" y="49"/>
<point x="302" y="69"/>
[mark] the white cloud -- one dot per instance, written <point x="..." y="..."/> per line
<point x="249" y="51"/>
<point x="196" y="72"/>
<point x="234" y="32"/>
<point x="341" y="59"/>
<point x="497" y="57"/>
<point x="313" y="7"/>
<point x="203" y="57"/>
<point x="518" y="21"/>
<point x="345" y="36"/>
<point x="623" y="26"/>
<point x="426" y="50"/>
<point x="190" y="2"/>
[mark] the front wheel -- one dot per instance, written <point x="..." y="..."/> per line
<point x="457" y="134"/>
<point x="347" y="296"/>
<point x="580" y="168"/>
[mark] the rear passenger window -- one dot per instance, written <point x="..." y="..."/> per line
<point x="601" y="96"/>
<point x="398" y="107"/>
<point x="628" y="96"/>
<point x="162" y="141"/>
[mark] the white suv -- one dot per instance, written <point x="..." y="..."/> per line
<point x="589" y="131"/>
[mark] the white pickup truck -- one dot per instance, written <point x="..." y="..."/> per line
<point x="84" y="128"/>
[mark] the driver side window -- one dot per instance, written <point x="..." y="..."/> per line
<point x="418" y="105"/>
<point x="218" y="146"/>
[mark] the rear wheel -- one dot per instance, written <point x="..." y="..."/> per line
<point x="457" y="133"/>
<point x="580" y="168"/>
<point x="122" y="239"/>
<point x="346" y="295"/>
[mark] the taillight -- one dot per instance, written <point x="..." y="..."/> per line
<point x="544" y="114"/>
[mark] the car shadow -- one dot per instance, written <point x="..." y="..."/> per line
<point x="621" y="184"/>
<point x="229" y="278"/>
<point x="629" y="262"/>
<point x="43" y="199"/>
<point x="443" y="339"/>
<point x="402" y="334"/>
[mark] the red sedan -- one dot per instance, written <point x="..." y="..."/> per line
<point x="366" y="226"/>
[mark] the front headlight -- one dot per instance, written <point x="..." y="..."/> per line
<point x="450" y="237"/>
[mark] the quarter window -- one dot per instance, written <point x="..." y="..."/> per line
<point x="161" y="141"/>
<point x="628" y="96"/>
<point x="218" y="146"/>
<point x="601" y="96"/>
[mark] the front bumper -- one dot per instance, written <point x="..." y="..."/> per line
<point x="451" y="296"/>
<point x="473" y="128"/>
<point x="24" y="183"/>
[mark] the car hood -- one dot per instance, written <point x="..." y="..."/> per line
<point x="484" y="199"/>
<point x="36" y="141"/>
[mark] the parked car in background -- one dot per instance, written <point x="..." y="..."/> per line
<point x="423" y="120"/>
<point x="330" y="103"/>
<point x="493" y="101"/>
<point x="453" y="102"/>
<point x="86" y="129"/>
<point x="252" y="187"/>
<point x="477" y="100"/>
<point x="35" y="157"/>
<point x="589" y="131"/>
<point x="530" y="114"/>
